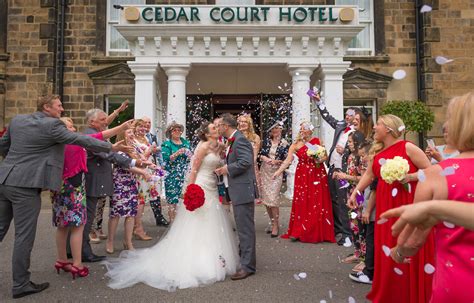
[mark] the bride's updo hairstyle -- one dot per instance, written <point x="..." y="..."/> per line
<point x="396" y="128"/>
<point x="203" y="130"/>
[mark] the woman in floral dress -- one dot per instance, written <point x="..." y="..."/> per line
<point x="124" y="202"/>
<point x="69" y="203"/>
<point x="148" y="190"/>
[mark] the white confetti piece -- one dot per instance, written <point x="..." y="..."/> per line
<point x="398" y="271"/>
<point x="447" y="171"/>
<point x="394" y="192"/>
<point x="297" y="278"/>
<point x="429" y="269"/>
<point x="382" y="221"/>
<point x="421" y="176"/>
<point x="382" y="161"/>
<point x="399" y="74"/>
<point x="401" y="128"/>
<point x="330" y="294"/>
<point x="409" y="187"/>
<point x="386" y="250"/>
<point x="426" y="9"/>
<point x="323" y="301"/>
<point x="442" y="60"/>
<point x="355" y="86"/>
<point x="302" y="275"/>
<point x="448" y="224"/>
<point x="329" y="222"/>
<point x="351" y="300"/>
<point x="353" y="215"/>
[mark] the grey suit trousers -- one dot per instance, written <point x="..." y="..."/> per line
<point x="91" y="209"/>
<point x="244" y="215"/>
<point x="23" y="205"/>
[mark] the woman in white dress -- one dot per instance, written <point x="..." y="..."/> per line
<point x="199" y="249"/>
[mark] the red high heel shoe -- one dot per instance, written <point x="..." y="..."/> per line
<point x="81" y="272"/>
<point x="65" y="266"/>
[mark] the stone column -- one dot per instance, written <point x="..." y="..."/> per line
<point x="301" y="102"/>
<point x="176" y="92"/>
<point x="332" y="86"/>
<point x="145" y="90"/>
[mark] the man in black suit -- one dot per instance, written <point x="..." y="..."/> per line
<point x="338" y="195"/>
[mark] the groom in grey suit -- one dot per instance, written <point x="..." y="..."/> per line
<point x="33" y="147"/>
<point x="241" y="188"/>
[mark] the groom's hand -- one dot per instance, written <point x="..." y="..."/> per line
<point x="222" y="171"/>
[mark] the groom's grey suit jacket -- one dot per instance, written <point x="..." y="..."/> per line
<point x="242" y="182"/>
<point x="34" y="150"/>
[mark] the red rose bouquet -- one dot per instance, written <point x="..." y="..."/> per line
<point x="193" y="197"/>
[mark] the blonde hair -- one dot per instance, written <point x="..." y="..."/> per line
<point x="308" y="126"/>
<point x="461" y="122"/>
<point x="250" y="132"/>
<point x="67" y="119"/>
<point x="121" y="136"/>
<point x="396" y="128"/>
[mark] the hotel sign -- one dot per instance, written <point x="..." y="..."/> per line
<point x="310" y="15"/>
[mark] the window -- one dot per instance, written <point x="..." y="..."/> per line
<point x="363" y="43"/>
<point x="116" y="44"/>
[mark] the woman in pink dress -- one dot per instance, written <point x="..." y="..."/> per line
<point x="451" y="179"/>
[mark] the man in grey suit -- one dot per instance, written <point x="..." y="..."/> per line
<point x="241" y="189"/>
<point x="99" y="182"/>
<point x="33" y="148"/>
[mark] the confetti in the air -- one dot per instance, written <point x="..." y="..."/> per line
<point x="394" y="192"/>
<point x="382" y="221"/>
<point x="398" y="271"/>
<point x="448" y="224"/>
<point x="443" y="60"/>
<point x="386" y="250"/>
<point x="421" y="176"/>
<point x="302" y="275"/>
<point x="429" y="269"/>
<point x="399" y="74"/>
<point x="426" y="9"/>
<point x="447" y="171"/>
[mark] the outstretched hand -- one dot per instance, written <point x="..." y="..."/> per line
<point x="121" y="146"/>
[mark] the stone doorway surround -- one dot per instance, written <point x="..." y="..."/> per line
<point x="303" y="48"/>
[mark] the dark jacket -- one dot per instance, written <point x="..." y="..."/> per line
<point x="281" y="152"/>
<point x="99" y="182"/>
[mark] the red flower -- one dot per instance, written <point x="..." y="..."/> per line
<point x="193" y="197"/>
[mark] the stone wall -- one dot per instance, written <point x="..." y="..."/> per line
<point x="449" y="32"/>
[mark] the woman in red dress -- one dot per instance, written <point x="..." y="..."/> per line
<point x="395" y="282"/>
<point x="311" y="217"/>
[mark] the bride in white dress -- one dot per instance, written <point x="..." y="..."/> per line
<point x="200" y="247"/>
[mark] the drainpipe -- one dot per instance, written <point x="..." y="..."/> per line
<point x="419" y="70"/>
<point x="62" y="24"/>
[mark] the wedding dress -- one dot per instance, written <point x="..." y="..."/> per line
<point x="200" y="247"/>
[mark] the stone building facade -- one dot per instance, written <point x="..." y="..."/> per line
<point x="30" y="56"/>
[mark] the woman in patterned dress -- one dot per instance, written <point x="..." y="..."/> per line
<point x="69" y="203"/>
<point x="176" y="156"/>
<point x="124" y="202"/>
<point x="274" y="151"/>
<point x="148" y="190"/>
<point x="245" y="126"/>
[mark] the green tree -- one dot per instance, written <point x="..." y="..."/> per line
<point x="418" y="117"/>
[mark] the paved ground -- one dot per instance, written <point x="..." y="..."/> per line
<point x="278" y="261"/>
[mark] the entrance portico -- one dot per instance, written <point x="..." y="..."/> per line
<point x="311" y="46"/>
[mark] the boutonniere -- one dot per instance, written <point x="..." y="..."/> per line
<point x="230" y="142"/>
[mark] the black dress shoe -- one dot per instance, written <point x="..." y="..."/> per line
<point x="29" y="289"/>
<point x="92" y="258"/>
<point x="161" y="221"/>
